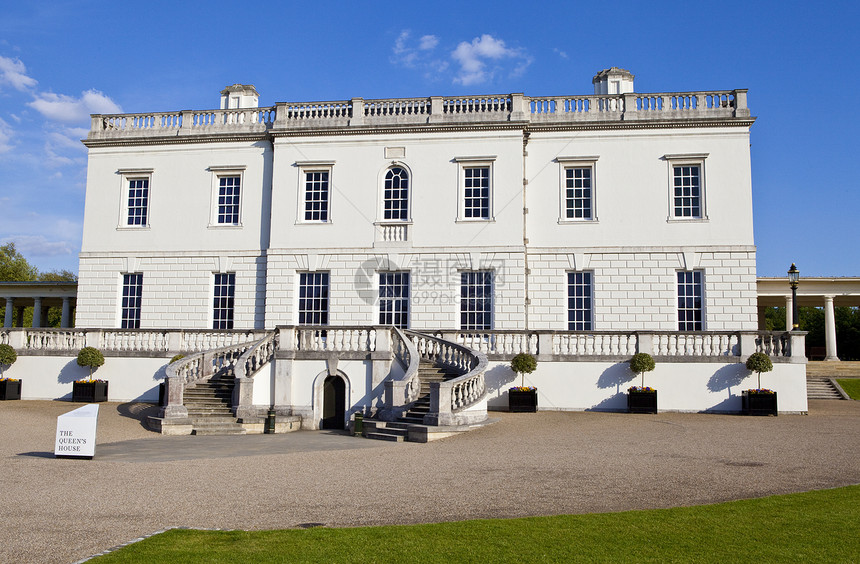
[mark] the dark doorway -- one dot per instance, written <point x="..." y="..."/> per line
<point x="334" y="403"/>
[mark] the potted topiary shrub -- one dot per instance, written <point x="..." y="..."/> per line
<point x="522" y="398"/>
<point x="641" y="399"/>
<point x="89" y="390"/>
<point x="760" y="401"/>
<point x="10" y="388"/>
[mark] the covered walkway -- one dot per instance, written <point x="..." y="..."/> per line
<point x="16" y="296"/>
<point x="828" y="293"/>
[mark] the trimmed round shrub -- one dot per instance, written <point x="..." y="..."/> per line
<point x="523" y="364"/>
<point x="641" y="363"/>
<point x="91" y="358"/>
<point x="8" y="356"/>
<point x="759" y="362"/>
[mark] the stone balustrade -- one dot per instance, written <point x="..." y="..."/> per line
<point x="437" y="110"/>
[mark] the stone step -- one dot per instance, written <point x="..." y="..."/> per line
<point x="411" y="420"/>
<point x="385" y="436"/>
<point x="218" y="431"/>
<point x="833" y="369"/>
<point x="821" y="388"/>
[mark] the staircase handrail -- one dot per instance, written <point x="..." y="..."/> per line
<point x="401" y="392"/>
<point x="191" y="369"/>
<point x="251" y="362"/>
<point x="451" y="398"/>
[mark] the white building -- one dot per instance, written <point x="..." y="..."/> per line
<point x="581" y="229"/>
<point x="629" y="201"/>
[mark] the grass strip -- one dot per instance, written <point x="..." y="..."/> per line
<point x="818" y="526"/>
<point x="851" y="387"/>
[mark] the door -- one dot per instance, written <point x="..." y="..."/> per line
<point x="334" y="403"/>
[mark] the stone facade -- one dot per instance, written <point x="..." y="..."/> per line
<point x="633" y="237"/>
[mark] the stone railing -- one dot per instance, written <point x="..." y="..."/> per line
<point x="200" y="366"/>
<point x="251" y="362"/>
<point x="123" y="341"/>
<point x="357" y="112"/>
<point x="325" y="338"/>
<point x="459" y="401"/>
<point x="401" y="393"/>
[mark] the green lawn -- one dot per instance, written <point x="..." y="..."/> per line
<point x="851" y="387"/>
<point x="819" y="526"/>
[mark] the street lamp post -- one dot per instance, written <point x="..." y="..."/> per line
<point x="793" y="278"/>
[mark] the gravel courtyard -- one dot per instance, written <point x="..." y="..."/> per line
<point x="62" y="510"/>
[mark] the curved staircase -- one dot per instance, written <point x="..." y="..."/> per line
<point x="209" y="405"/>
<point x="398" y="430"/>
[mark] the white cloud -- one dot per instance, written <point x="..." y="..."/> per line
<point x="560" y="53"/>
<point x="5" y="136"/>
<point x="13" y="72"/>
<point x="60" y="107"/>
<point x="474" y="58"/>
<point x="39" y="246"/>
<point x="428" y="42"/>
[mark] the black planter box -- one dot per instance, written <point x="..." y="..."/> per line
<point x="758" y="404"/>
<point x="642" y="402"/>
<point x="10" y="390"/>
<point x="522" y="402"/>
<point x="89" y="392"/>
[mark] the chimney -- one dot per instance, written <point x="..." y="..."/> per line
<point x="239" y="96"/>
<point x="613" y="81"/>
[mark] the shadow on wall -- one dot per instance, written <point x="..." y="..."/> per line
<point x="615" y="402"/>
<point x="71" y="372"/>
<point x="616" y="376"/>
<point x="497" y="378"/>
<point x="724" y="379"/>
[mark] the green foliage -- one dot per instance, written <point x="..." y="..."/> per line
<point x="759" y="362"/>
<point x="811" y="320"/>
<point x="14" y="267"/>
<point x="176" y="357"/>
<point x="850" y="386"/>
<point x="815" y="526"/>
<point x="524" y="363"/>
<point x="8" y="356"/>
<point x="90" y="357"/>
<point x="641" y="363"/>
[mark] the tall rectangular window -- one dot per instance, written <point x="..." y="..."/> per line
<point x="690" y="303"/>
<point x="476" y="192"/>
<point x="313" y="298"/>
<point x="577" y="193"/>
<point x="579" y="301"/>
<point x="138" y="201"/>
<point x="396" y="197"/>
<point x="394" y="299"/>
<point x="316" y="195"/>
<point x="687" y="191"/>
<point x="132" y="289"/>
<point x="228" y="199"/>
<point x="476" y="300"/>
<point x="222" y="307"/>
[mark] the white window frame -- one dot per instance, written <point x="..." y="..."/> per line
<point x="305" y="167"/>
<point x="565" y="164"/>
<point x="464" y="163"/>
<point x="127" y="175"/>
<point x="492" y="300"/>
<point x="567" y="284"/>
<point x="381" y="210"/>
<point x="327" y="298"/>
<point x="121" y="308"/>
<point x="703" y="310"/>
<point x="687" y="159"/>
<point x="407" y="298"/>
<point x="219" y="172"/>
<point x="232" y="309"/>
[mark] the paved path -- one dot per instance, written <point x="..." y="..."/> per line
<point x="60" y="510"/>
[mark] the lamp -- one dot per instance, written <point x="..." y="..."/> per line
<point x="793" y="278"/>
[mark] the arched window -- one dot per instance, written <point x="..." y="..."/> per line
<point x="396" y="197"/>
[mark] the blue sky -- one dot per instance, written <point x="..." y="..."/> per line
<point x="60" y="61"/>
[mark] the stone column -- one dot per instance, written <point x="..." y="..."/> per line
<point x="789" y="314"/>
<point x="829" y="329"/>
<point x="762" y="318"/>
<point x="10" y="312"/>
<point x="66" y="317"/>
<point x="37" y="313"/>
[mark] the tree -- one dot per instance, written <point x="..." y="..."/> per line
<point x="641" y="363"/>
<point x="14" y="267"/>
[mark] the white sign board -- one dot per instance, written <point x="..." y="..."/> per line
<point x="76" y="432"/>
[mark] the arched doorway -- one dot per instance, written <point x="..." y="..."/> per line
<point x="334" y="403"/>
